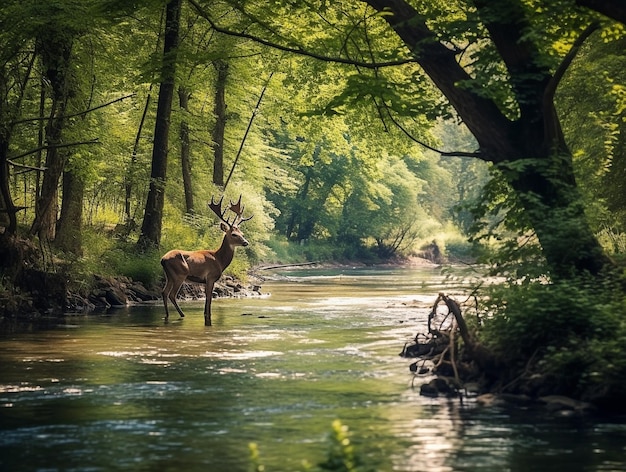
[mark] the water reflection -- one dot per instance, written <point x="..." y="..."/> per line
<point x="127" y="392"/>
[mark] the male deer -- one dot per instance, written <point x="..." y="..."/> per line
<point x="204" y="266"/>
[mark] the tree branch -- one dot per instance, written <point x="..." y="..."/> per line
<point x="297" y="50"/>
<point x="427" y="146"/>
<point x="548" y="94"/>
<point x="57" y="146"/>
<point x="24" y="166"/>
<point x="84" y="112"/>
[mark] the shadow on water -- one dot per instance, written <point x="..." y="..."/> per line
<point x="127" y="392"/>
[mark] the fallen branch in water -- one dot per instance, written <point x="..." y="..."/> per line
<point x="282" y="266"/>
<point x="440" y="347"/>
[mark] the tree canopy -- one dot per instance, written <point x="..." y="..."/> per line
<point x="329" y="112"/>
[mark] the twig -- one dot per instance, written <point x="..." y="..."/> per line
<point x="453" y="354"/>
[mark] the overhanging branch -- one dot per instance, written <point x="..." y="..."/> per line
<point x="427" y="146"/>
<point x="297" y="50"/>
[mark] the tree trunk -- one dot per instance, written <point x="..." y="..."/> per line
<point x="530" y="149"/>
<point x="70" y="224"/>
<point x="55" y="49"/>
<point x="8" y="212"/>
<point x="132" y="166"/>
<point x="185" y="159"/>
<point x="219" y="110"/>
<point x="150" y="236"/>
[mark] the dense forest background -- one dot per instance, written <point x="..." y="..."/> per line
<point x="82" y="89"/>
<point x="353" y="130"/>
<point x="106" y="106"/>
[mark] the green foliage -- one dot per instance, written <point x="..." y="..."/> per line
<point x="106" y="255"/>
<point x="501" y="233"/>
<point x="595" y="129"/>
<point x="569" y="332"/>
<point x="143" y="267"/>
<point x="539" y="315"/>
<point x="341" y="455"/>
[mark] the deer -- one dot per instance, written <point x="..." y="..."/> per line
<point x="203" y="266"/>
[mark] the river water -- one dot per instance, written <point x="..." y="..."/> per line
<point x="124" y="391"/>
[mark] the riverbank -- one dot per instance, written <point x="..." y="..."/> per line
<point x="38" y="294"/>
<point x="45" y="295"/>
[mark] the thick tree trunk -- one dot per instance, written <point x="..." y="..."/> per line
<point x="185" y="158"/>
<point x="530" y="149"/>
<point x="47" y="205"/>
<point x="553" y="205"/>
<point x="70" y="224"/>
<point x="219" y="129"/>
<point x="150" y="236"/>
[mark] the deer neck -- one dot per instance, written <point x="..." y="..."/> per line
<point x="225" y="253"/>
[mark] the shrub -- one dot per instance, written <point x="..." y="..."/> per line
<point x="571" y="333"/>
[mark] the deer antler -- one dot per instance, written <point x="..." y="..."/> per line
<point x="217" y="209"/>
<point x="236" y="208"/>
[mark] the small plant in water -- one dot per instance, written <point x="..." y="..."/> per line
<point x="341" y="456"/>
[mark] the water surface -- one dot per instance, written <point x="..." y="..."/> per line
<point x="124" y="391"/>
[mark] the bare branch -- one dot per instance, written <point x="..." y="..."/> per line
<point x="84" y="112"/>
<point x="23" y="166"/>
<point x="427" y="146"/>
<point x="53" y="146"/>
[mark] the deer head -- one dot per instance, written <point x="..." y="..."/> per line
<point x="231" y="228"/>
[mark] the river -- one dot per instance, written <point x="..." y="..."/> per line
<point x="125" y="391"/>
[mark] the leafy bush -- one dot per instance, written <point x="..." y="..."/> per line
<point x="572" y="333"/>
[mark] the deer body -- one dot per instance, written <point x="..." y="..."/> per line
<point x="204" y="266"/>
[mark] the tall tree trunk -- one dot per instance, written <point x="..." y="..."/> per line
<point x="542" y="172"/>
<point x="298" y="206"/>
<point x="8" y="112"/>
<point x="70" y="224"/>
<point x="185" y="158"/>
<point x="150" y="236"/>
<point x="8" y="217"/>
<point x="132" y="166"/>
<point x="219" y="110"/>
<point x="55" y="49"/>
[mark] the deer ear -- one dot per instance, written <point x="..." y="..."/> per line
<point x="223" y="227"/>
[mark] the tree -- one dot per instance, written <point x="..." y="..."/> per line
<point x="150" y="236"/>
<point x="529" y="145"/>
<point x="54" y="45"/>
<point x="219" y="110"/>
<point x="498" y="65"/>
<point x="595" y="128"/>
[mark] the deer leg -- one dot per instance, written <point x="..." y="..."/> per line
<point x="170" y="291"/>
<point x="167" y="288"/>
<point x="173" y="294"/>
<point x="174" y="280"/>
<point x="207" y="302"/>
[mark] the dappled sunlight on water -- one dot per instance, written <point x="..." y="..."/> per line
<point x="127" y="392"/>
